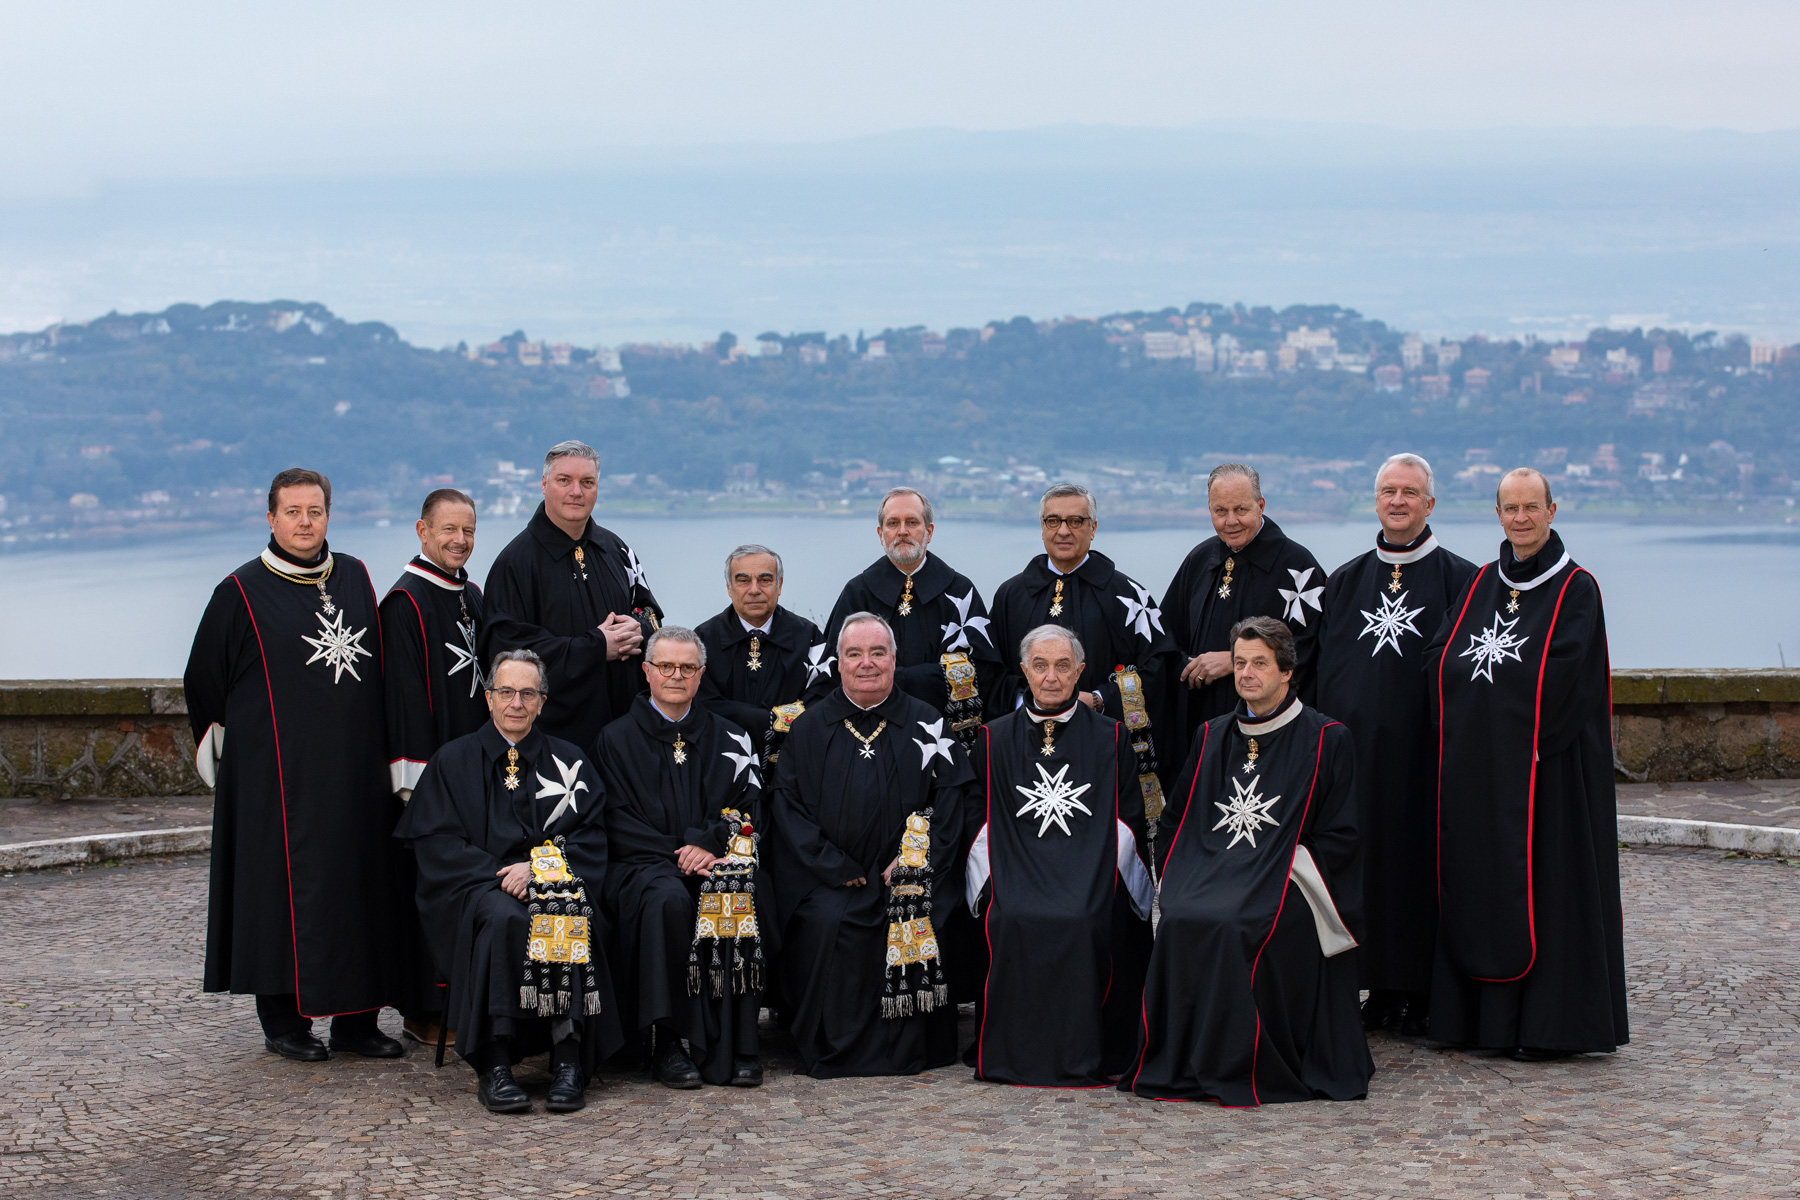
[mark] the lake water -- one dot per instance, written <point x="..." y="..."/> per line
<point x="1676" y="596"/>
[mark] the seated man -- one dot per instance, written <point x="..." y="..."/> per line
<point x="683" y="803"/>
<point x="1057" y="854"/>
<point x="866" y="806"/>
<point x="506" y="825"/>
<point x="1251" y="998"/>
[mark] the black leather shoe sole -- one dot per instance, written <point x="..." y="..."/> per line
<point x="519" y="1105"/>
<point x="378" y="1046"/>
<point x="309" y="1049"/>
<point x="743" y="1078"/>
<point x="564" y="1102"/>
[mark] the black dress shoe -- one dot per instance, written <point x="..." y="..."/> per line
<point x="370" y="1045"/>
<point x="567" y="1089"/>
<point x="1538" y="1054"/>
<point x="499" y="1092"/>
<point x="674" y="1068"/>
<point x="301" y="1047"/>
<point x="746" y="1072"/>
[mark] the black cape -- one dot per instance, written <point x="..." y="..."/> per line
<point x="789" y="659"/>
<point x="429" y="625"/>
<point x="464" y="825"/>
<point x="1067" y="952"/>
<point x="655" y="806"/>
<point x="1241" y="1004"/>
<point x="1200" y="620"/>
<point x="838" y="816"/>
<point x="1119" y="625"/>
<point x="1530" y="948"/>
<point x="302" y="867"/>
<point x="542" y="598"/>
<point x="1381" y="608"/>
<point x="947" y="615"/>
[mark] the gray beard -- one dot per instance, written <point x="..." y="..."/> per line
<point x="906" y="558"/>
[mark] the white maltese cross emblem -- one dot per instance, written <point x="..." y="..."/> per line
<point x="1301" y="596"/>
<point x="566" y="789"/>
<point x="817" y="664"/>
<point x="1492" y="646"/>
<point x="1052" y="800"/>
<point x="938" y="745"/>
<point x="1246" y="812"/>
<point x="745" y="761"/>
<point x="1141" y="614"/>
<point x="956" y="633"/>
<point x="339" y="647"/>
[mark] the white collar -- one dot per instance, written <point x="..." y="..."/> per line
<point x="869" y="707"/>
<point x="907" y="574"/>
<point x="1402" y="557"/>
<point x="1072" y="569"/>
<point x="282" y="566"/>
<point x="1262" y="728"/>
<point x="1530" y="583"/>
<point x="749" y="628"/>
<point x="449" y="585"/>
<point x="665" y="716"/>
<point x="1060" y="718"/>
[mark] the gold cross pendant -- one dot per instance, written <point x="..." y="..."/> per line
<point x="755" y="663"/>
<point x="905" y="608"/>
<point x="1395" y="585"/>
<point x="1250" y="762"/>
<point x="1056" y="600"/>
<point x="1225" y="584"/>
<point x="680" y="749"/>
<point x="581" y="561"/>
<point x="1512" y="605"/>
<point x="512" y="769"/>
<point x="1049" y="738"/>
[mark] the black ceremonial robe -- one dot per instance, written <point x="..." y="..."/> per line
<point x="1272" y="576"/>
<point x="946" y="614"/>
<point x="1067" y="918"/>
<point x="655" y="805"/>
<point x="1380" y="611"/>
<point x="1530" y="948"/>
<point x="1242" y="1004"/>
<point x="544" y="596"/>
<point x="838" y="815"/>
<point x="749" y="675"/>
<point x="464" y="825"/>
<point x="302" y="866"/>
<point x="429" y="622"/>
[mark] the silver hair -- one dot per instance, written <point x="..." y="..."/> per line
<point x="924" y="501"/>
<point x="571" y="449"/>
<point x="1227" y="470"/>
<point x="1531" y="471"/>
<point x="1059" y="490"/>
<point x="675" y="633"/>
<point x="1409" y="460"/>
<point x="524" y="656"/>
<point x="751" y="548"/>
<point x="1044" y="633"/>
<point x="866" y="618"/>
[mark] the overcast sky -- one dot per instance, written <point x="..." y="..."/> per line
<point x="108" y="90"/>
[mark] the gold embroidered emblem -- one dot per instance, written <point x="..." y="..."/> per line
<point x="1056" y="600"/>
<point x="726" y="914"/>
<point x="512" y="769"/>
<point x="905" y="608"/>
<point x="558" y="939"/>
<point x="1225" y="584"/>
<point x="1153" y="796"/>
<point x="785" y="714"/>
<point x="959" y="675"/>
<point x="915" y="843"/>
<point x="1131" y="699"/>
<point x="755" y="663"/>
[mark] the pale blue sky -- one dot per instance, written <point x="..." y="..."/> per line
<point x="104" y="89"/>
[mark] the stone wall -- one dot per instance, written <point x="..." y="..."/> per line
<point x="62" y="738"/>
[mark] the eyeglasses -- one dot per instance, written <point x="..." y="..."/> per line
<point x="670" y="670"/>
<point x="1534" y="509"/>
<point x="1075" y="524"/>
<point x="508" y="695"/>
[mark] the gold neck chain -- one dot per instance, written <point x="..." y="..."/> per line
<point x="318" y="581"/>
<point x="868" y="743"/>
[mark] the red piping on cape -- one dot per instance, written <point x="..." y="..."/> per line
<point x="1143" y="1002"/>
<point x="1468" y="599"/>
<point x="1299" y="828"/>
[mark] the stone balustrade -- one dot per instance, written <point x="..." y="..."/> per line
<point x="62" y="738"/>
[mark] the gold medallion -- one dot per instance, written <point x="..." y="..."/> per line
<point x="1512" y="605"/>
<point x="905" y="608"/>
<point x="680" y="749"/>
<point x="755" y="663"/>
<point x="1049" y="737"/>
<point x="1225" y="584"/>
<point x="512" y="769"/>
<point x="1394" y="585"/>
<point x="1250" y="762"/>
<point x="1056" y="600"/>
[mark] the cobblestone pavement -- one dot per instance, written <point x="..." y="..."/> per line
<point x="119" y="1078"/>
<point x="1756" y="802"/>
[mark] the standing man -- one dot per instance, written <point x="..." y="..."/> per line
<point x="1248" y="568"/>
<point x="1251" y="998"/>
<point x="1530" y="945"/>
<point x="1380" y="611"/>
<point x="1057" y="857"/>
<point x="288" y="661"/>
<point x="945" y="650"/>
<point x="760" y="657"/>
<point x="429" y="620"/>
<point x="508" y="828"/>
<point x="683" y="807"/>
<point x="867" y="806"/>
<point x="1133" y="661"/>
<point x="574" y="594"/>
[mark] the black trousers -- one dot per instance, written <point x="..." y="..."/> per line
<point x="280" y="1017"/>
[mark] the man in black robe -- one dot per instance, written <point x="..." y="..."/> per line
<point x="1068" y="896"/>
<point x="1133" y="661"/>
<point x="760" y="657"/>
<point x="1248" y="568"/>
<point x="429" y="620"/>
<point x="574" y="594"/>
<point x="1251" y="996"/>
<point x="1380" y="611"/>
<point x="683" y="804"/>
<point x="508" y="829"/>
<point x="288" y="660"/>
<point x="867" y="815"/>
<point x="1530" y="943"/>
<point x="947" y="656"/>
